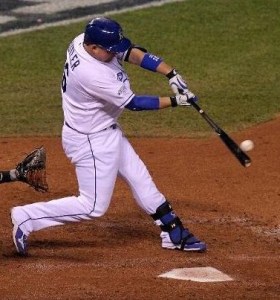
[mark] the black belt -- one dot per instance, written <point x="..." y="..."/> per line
<point x="113" y="126"/>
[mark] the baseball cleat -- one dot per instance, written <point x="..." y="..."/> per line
<point x="19" y="238"/>
<point x="192" y="244"/>
<point x="198" y="247"/>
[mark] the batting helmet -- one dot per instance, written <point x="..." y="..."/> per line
<point x="107" y="34"/>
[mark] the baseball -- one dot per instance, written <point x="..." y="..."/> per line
<point x="247" y="145"/>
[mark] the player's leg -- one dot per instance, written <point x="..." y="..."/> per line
<point x="96" y="161"/>
<point x="8" y="176"/>
<point x="174" y="235"/>
<point x="135" y="173"/>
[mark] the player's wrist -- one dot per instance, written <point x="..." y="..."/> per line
<point x="171" y="74"/>
<point x="5" y="176"/>
<point x="174" y="102"/>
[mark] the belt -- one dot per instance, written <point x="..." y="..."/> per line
<point x="113" y="126"/>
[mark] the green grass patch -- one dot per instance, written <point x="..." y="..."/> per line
<point x="227" y="50"/>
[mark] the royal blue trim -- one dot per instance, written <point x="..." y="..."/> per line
<point x="94" y="164"/>
<point x="127" y="100"/>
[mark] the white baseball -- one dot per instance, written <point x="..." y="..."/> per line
<point x="247" y="145"/>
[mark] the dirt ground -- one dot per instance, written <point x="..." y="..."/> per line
<point x="235" y="210"/>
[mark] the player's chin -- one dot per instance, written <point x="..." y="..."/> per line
<point x="108" y="57"/>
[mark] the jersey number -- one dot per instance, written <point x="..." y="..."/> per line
<point x="64" y="76"/>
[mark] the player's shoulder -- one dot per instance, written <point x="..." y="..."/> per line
<point x="78" y="41"/>
<point x="79" y="38"/>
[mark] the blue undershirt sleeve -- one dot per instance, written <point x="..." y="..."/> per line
<point x="143" y="103"/>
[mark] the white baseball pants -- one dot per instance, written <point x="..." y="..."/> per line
<point x="98" y="158"/>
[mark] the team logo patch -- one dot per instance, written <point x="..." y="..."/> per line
<point x="120" y="76"/>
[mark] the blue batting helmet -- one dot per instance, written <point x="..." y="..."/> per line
<point x="106" y="33"/>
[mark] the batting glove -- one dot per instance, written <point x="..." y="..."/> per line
<point x="183" y="100"/>
<point x="177" y="83"/>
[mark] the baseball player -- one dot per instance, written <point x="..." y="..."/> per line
<point x="95" y="91"/>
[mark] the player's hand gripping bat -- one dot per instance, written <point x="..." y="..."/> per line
<point x="243" y="158"/>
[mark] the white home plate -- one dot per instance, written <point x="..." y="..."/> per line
<point x="203" y="274"/>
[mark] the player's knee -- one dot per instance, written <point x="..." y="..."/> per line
<point x="93" y="207"/>
<point x="96" y="213"/>
<point x="169" y="222"/>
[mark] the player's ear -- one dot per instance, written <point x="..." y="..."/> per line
<point x="93" y="47"/>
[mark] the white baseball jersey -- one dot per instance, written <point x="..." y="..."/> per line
<point x="95" y="92"/>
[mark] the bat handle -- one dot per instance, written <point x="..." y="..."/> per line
<point x="196" y="106"/>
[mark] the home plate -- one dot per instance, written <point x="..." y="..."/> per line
<point x="202" y="274"/>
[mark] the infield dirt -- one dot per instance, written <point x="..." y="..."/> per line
<point x="235" y="210"/>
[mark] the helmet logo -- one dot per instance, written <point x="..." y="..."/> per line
<point x="120" y="35"/>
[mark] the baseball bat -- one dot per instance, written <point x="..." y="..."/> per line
<point x="242" y="157"/>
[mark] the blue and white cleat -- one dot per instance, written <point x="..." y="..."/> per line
<point x="190" y="243"/>
<point x="19" y="238"/>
